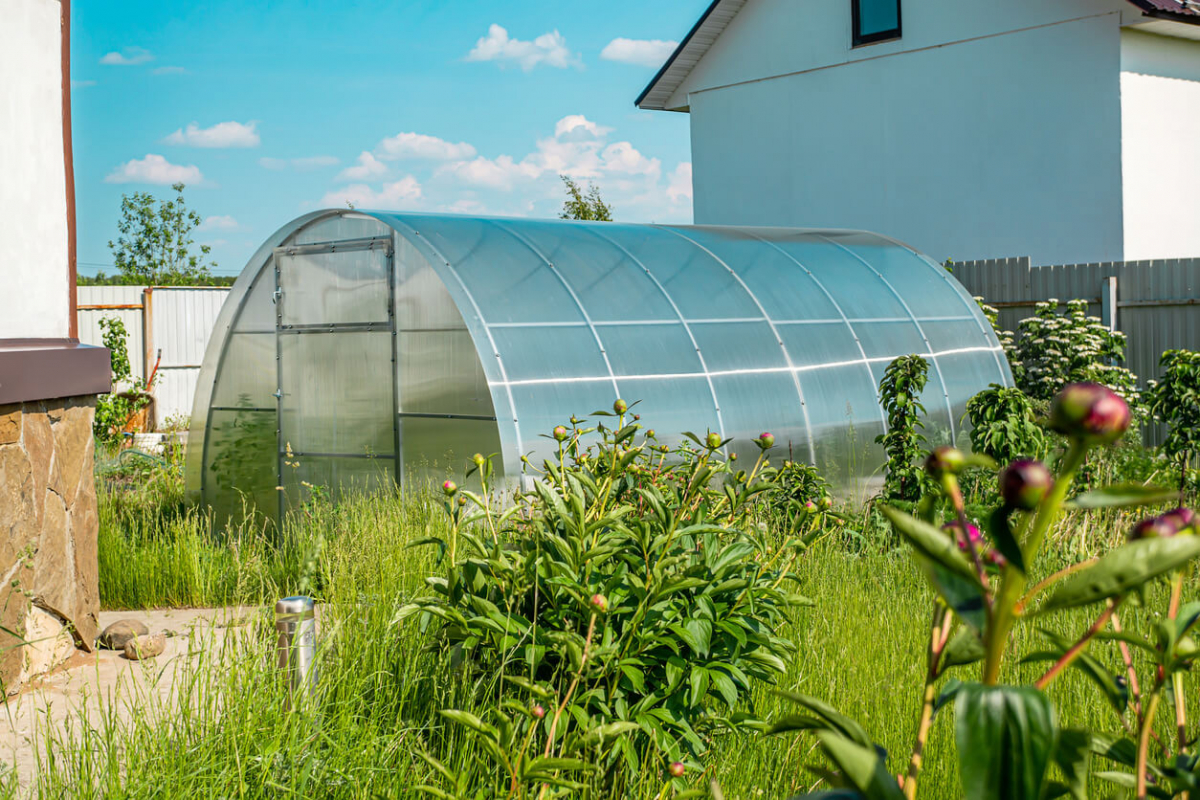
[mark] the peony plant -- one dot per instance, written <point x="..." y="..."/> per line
<point x="1011" y="743"/>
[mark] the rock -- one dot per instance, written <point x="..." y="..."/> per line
<point x="10" y="423"/>
<point x="141" y="647"/>
<point x="121" y="632"/>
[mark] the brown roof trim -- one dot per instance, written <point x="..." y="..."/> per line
<point x="69" y="165"/>
<point x="41" y="369"/>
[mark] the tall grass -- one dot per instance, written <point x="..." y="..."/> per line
<point x="861" y="648"/>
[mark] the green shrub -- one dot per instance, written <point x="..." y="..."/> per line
<point x="1004" y="426"/>
<point x="900" y="392"/>
<point x="1175" y="401"/>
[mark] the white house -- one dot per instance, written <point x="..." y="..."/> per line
<point x="1063" y="130"/>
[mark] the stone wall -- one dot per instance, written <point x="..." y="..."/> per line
<point x="48" y="532"/>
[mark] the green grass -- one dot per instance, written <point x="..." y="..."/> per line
<point x="861" y="648"/>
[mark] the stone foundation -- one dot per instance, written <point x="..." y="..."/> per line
<point x="48" y="532"/>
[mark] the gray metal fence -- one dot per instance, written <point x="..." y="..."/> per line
<point x="168" y="327"/>
<point x="1156" y="304"/>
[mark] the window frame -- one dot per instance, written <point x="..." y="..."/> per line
<point x="858" y="39"/>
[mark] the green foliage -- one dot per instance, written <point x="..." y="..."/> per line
<point x="128" y="396"/>
<point x="900" y="392"/>
<point x="1009" y="736"/>
<point x="155" y="245"/>
<point x="1004" y="425"/>
<point x="1056" y="349"/>
<point x="1175" y="401"/>
<point x="584" y="205"/>
<point x="627" y="594"/>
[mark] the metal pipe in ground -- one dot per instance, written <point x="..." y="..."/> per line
<point x="296" y="626"/>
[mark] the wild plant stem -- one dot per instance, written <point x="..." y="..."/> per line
<point x="1177" y="677"/>
<point x="1144" y="742"/>
<point x="1019" y="608"/>
<point x="1134" y="691"/>
<point x="1012" y="584"/>
<point x="939" y="634"/>
<point x="1079" y="646"/>
<point x="587" y="649"/>
<point x="950" y="483"/>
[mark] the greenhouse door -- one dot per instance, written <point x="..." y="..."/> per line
<point x="335" y="347"/>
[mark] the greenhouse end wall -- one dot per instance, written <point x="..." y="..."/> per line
<point x="361" y="346"/>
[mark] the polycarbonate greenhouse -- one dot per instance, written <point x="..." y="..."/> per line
<point x="358" y="347"/>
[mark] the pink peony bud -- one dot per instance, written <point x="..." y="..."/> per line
<point x="676" y="769"/>
<point x="955" y="530"/>
<point x="810" y="506"/>
<point x="478" y="459"/>
<point x="826" y="502"/>
<point x="1181" y="519"/>
<point x="561" y="433"/>
<point x="1153" y="528"/>
<point x="620" y="406"/>
<point x="713" y="441"/>
<point x="537" y="711"/>
<point x="600" y="603"/>
<point x="765" y="440"/>
<point x="944" y="460"/>
<point x="449" y="487"/>
<point x="1023" y="484"/>
<point x="1090" y="412"/>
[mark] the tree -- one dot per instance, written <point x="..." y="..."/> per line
<point x="155" y="245"/>
<point x="581" y="205"/>
<point x="1175" y="400"/>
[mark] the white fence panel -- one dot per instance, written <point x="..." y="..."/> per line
<point x="174" y="321"/>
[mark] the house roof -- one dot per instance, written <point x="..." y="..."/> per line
<point x="720" y="13"/>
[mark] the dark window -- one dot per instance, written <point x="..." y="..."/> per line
<point x="875" y="20"/>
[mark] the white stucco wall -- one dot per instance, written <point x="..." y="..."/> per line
<point x="995" y="146"/>
<point x="33" y="206"/>
<point x="1160" y="129"/>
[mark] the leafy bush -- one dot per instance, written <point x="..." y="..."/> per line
<point x="627" y="605"/>
<point x="1175" y="401"/>
<point x="1011" y="741"/>
<point x="900" y="392"/>
<point x="1004" y="426"/>
<point x="1007" y="340"/>
<point x="1056" y="349"/>
<point x="114" y="410"/>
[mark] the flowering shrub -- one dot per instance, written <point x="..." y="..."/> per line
<point x="628" y="604"/>
<point x="900" y="392"/>
<point x="1007" y="340"/>
<point x="1060" y="348"/>
<point x="1004" y="426"/>
<point x="1175" y="400"/>
<point x="1011" y="742"/>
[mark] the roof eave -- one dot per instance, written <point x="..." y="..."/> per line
<point x="654" y="97"/>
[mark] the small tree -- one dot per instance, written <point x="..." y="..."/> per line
<point x="113" y="410"/>
<point x="1175" y="401"/>
<point x="584" y="205"/>
<point x="900" y="392"/>
<point x="155" y="245"/>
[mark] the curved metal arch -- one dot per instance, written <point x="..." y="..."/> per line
<point x="929" y="347"/>
<point x="699" y="353"/>
<point x="841" y="313"/>
<point x="578" y="304"/>
<point x="812" y="453"/>
<point x="420" y="241"/>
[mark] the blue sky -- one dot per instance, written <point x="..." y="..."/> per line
<point x="270" y="109"/>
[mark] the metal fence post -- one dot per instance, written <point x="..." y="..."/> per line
<point x="1108" y="303"/>
<point x="296" y="626"/>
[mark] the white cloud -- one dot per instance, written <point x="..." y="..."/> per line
<point x="420" y="146"/>
<point x="127" y="56"/>
<point x="499" y="173"/>
<point x="169" y="71"/>
<point x="402" y="194"/>
<point x="549" y="49"/>
<point x="623" y="158"/>
<point x="577" y="127"/>
<point x="679" y="186"/>
<point x="303" y="164"/>
<point x="223" y="134"/>
<point x="155" y="169"/>
<point x="643" y="52"/>
<point x="368" y="167"/>
<point x="218" y="222"/>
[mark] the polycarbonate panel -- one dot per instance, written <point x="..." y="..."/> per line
<point x="837" y="397"/>
<point x="444" y="447"/>
<point x="738" y="346"/>
<point x="534" y="353"/>
<point x="609" y="284"/>
<point x="340" y="227"/>
<point x="334" y="477"/>
<point x="672" y="406"/>
<point x="890" y="340"/>
<point x="337" y="393"/>
<point x="440" y="373"/>
<point x="922" y="284"/>
<point x="258" y="309"/>
<point x="858" y="291"/>
<point x="241" y="463"/>
<point x="346" y="286"/>
<point x="542" y="407"/>
<point x="649" y="350"/>
<point x="248" y="378"/>
<point x="819" y="343"/>
<point x="768" y="403"/>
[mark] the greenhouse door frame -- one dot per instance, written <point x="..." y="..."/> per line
<point x="385" y="243"/>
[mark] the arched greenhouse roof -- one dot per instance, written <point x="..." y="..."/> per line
<point x="365" y="345"/>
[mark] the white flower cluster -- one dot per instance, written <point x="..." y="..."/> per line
<point x="1061" y="345"/>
